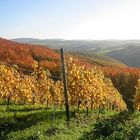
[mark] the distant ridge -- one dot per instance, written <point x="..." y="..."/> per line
<point x="25" y="40"/>
<point x="34" y="40"/>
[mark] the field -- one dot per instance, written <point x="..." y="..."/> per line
<point x="27" y="122"/>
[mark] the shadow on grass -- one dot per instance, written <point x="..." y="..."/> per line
<point x="24" y="109"/>
<point x="106" y="127"/>
<point x="21" y="107"/>
<point x="20" y="122"/>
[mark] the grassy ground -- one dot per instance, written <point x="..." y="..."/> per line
<point x="24" y="122"/>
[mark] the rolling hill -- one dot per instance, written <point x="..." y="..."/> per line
<point x="75" y="48"/>
<point x="126" y="51"/>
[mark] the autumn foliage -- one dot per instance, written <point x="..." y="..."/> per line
<point x="124" y="79"/>
<point x="24" y="55"/>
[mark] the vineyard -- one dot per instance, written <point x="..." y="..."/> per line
<point x="86" y="87"/>
<point x="90" y="92"/>
<point x="69" y="70"/>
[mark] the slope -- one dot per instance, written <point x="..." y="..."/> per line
<point x="24" y="55"/>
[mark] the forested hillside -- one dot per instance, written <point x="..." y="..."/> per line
<point x="24" y="55"/>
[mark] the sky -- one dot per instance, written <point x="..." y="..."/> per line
<point x="70" y="19"/>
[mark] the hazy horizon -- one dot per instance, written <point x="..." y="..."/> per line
<point x="73" y="39"/>
<point x="70" y="20"/>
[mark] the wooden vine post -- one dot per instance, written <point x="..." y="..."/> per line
<point x="65" y="86"/>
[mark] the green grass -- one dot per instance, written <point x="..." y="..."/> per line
<point x="122" y="126"/>
<point x="109" y="50"/>
<point x="28" y="122"/>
